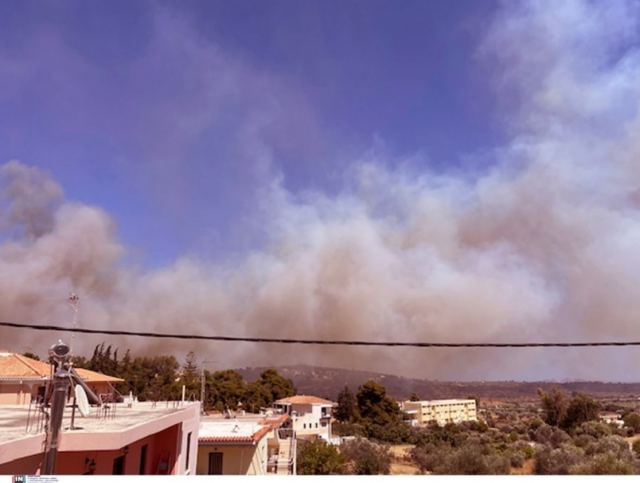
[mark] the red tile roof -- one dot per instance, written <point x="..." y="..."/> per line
<point x="276" y="421"/>
<point x="15" y="366"/>
<point x="250" y="439"/>
<point x="302" y="399"/>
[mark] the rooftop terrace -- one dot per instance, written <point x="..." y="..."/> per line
<point x="13" y="419"/>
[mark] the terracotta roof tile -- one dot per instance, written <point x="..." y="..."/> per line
<point x="244" y="439"/>
<point x="15" y="366"/>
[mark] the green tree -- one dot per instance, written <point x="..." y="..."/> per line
<point x="580" y="409"/>
<point x="191" y="376"/>
<point x="257" y="396"/>
<point x="319" y="458"/>
<point x="414" y="397"/>
<point x="226" y="390"/>
<point x="31" y="355"/>
<point x="375" y="406"/>
<point x="278" y="385"/>
<point x="80" y="361"/>
<point x="346" y="410"/>
<point x="269" y="387"/>
<point x="554" y="405"/>
<point x="632" y="420"/>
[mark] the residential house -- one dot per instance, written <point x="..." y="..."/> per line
<point x="245" y="445"/>
<point x="612" y="418"/>
<point x="310" y="416"/>
<point x="22" y="379"/>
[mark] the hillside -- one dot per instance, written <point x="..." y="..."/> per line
<point x="327" y="382"/>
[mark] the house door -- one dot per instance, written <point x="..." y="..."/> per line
<point x="215" y="463"/>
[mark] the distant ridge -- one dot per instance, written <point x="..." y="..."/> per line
<point x="328" y="382"/>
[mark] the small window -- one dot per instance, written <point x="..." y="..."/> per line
<point x="316" y="425"/>
<point x="143" y="460"/>
<point x="118" y="466"/>
<point x="304" y="426"/>
<point x="186" y="460"/>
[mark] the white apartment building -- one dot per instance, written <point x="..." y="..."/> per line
<point x="310" y="415"/>
<point x="442" y="411"/>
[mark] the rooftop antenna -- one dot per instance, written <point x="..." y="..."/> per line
<point x="74" y="302"/>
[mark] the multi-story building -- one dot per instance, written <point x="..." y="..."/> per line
<point x="246" y="445"/>
<point x="136" y="438"/>
<point x="310" y="415"/>
<point x="442" y="411"/>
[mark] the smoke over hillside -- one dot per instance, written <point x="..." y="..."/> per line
<point x="541" y="246"/>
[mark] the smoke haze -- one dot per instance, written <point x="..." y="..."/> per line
<point x="540" y="246"/>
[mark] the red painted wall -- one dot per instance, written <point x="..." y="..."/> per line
<point x="161" y="447"/>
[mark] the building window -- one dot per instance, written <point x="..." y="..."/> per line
<point x="118" y="466"/>
<point x="143" y="461"/>
<point x="304" y="426"/>
<point x="316" y="425"/>
<point x="186" y="460"/>
<point x="215" y="463"/>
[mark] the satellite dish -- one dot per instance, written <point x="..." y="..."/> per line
<point x="82" y="401"/>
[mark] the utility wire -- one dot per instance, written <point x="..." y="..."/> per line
<point x="224" y="338"/>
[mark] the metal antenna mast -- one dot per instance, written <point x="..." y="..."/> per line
<point x="74" y="301"/>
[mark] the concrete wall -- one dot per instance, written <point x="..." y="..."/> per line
<point x="236" y="460"/>
<point x="161" y="447"/>
<point x="166" y="442"/>
<point x="17" y="392"/>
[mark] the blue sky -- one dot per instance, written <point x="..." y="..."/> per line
<point x="172" y="115"/>
<point x="398" y="170"/>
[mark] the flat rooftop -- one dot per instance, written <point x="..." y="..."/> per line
<point x="13" y="419"/>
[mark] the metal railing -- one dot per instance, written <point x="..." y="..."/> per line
<point x="36" y="416"/>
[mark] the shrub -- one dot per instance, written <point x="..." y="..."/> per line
<point x="366" y="458"/>
<point x="593" y="428"/>
<point x="551" y="435"/>
<point x="473" y="460"/>
<point x="557" y="461"/>
<point x="395" y="432"/>
<point x="583" y="440"/>
<point x="427" y="457"/>
<point x="525" y="449"/>
<point x="319" y="458"/>
<point x="609" y="444"/>
<point x="636" y="447"/>
<point x="516" y="459"/>
<point x="604" y="464"/>
<point x="347" y="429"/>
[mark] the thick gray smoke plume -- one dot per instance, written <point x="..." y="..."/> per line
<point x="542" y="246"/>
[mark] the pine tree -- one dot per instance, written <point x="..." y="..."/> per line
<point x="346" y="410"/>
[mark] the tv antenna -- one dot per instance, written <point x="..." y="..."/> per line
<point x="74" y="302"/>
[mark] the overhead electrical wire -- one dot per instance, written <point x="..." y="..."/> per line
<point x="273" y="340"/>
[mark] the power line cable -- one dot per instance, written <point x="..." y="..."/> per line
<point x="223" y="338"/>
